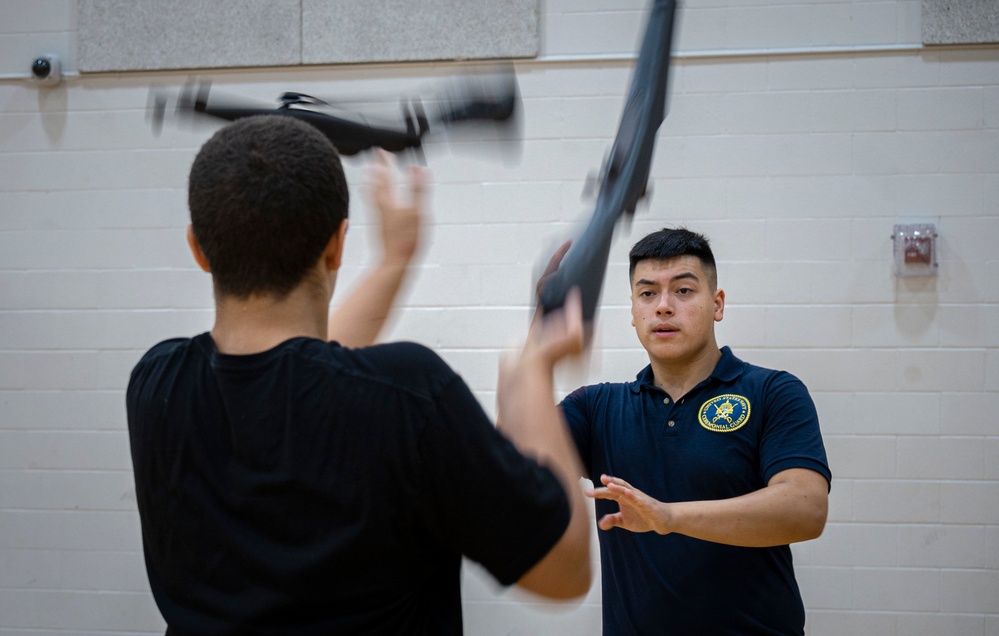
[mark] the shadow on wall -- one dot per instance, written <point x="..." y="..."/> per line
<point x="53" y="102"/>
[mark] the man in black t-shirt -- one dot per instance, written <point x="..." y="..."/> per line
<point x="294" y="479"/>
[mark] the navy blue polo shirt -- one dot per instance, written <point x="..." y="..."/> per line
<point x="727" y="437"/>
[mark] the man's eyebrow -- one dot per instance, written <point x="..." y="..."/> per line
<point x="681" y="276"/>
<point x="685" y="275"/>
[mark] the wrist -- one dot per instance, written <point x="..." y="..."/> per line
<point x="394" y="263"/>
<point x="664" y="518"/>
<point x="525" y="375"/>
<point x="535" y="360"/>
<point x="399" y="251"/>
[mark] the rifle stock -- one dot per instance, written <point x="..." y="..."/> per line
<point x="625" y="172"/>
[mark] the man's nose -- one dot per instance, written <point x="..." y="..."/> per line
<point x="664" y="308"/>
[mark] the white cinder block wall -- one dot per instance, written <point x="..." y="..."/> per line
<point x="799" y="133"/>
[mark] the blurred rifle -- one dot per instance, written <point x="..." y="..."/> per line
<point x="470" y="99"/>
<point x="625" y="174"/>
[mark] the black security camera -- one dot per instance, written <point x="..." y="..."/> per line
<point x="41" y="68"/>
<point x="46" y="69"/>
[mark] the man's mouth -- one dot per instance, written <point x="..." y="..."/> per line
<point x="664" y="329"/>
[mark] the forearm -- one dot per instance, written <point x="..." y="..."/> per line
<point x="782" y="513"/>
<point x="359" y="320"/>
<point x="532" y="421"/>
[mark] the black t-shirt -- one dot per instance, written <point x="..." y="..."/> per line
<point x="313" y="489"/>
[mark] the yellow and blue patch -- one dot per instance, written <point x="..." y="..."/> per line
<point x="724" y="413"/>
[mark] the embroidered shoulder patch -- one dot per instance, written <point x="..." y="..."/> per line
<point x="724" y="413"/>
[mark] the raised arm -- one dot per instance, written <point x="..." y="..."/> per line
<point x="792" y="507"/>
<point x="531" y="420"/>
<point x="359" y="319"/>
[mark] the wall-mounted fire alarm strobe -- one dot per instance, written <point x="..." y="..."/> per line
<point x="915" y="249"/>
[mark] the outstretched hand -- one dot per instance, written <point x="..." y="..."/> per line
<point x="400" y="220"/>
<point x="638" y="511"/>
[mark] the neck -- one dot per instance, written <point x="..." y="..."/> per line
<point x="261" y="322"/>
<point x="677" y="378"/>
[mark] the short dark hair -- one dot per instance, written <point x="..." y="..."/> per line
<point x="670" y="243"/>
<point x="266" y="193"/>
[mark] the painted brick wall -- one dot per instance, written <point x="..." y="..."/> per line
<point x="799" y="133"/>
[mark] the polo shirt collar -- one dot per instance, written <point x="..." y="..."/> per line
<point x="727" y="369"/>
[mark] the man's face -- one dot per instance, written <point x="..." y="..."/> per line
<point x="674" y="307"/>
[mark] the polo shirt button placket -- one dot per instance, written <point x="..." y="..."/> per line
<point x="670" y="404"/>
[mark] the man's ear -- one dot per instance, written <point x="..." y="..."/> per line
<point x="333" y="255"/>
<point x="719" y="305"/>
<point x="199" y="256"/>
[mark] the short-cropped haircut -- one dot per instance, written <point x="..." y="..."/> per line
<point x="670" y="243"/>
<point x="266" y="194"/>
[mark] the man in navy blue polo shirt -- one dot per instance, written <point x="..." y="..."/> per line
<point x="707" y="467"/>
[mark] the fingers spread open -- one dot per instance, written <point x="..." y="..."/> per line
<point x="610" y="521"/>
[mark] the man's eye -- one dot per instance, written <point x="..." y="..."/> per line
<point x="684" y="291"/>
<point x="646" y="294"/>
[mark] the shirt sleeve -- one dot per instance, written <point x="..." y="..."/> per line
<point x="575" y="413"/>
<point x="791" y="438"/>
<point x="497" y="506"/>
